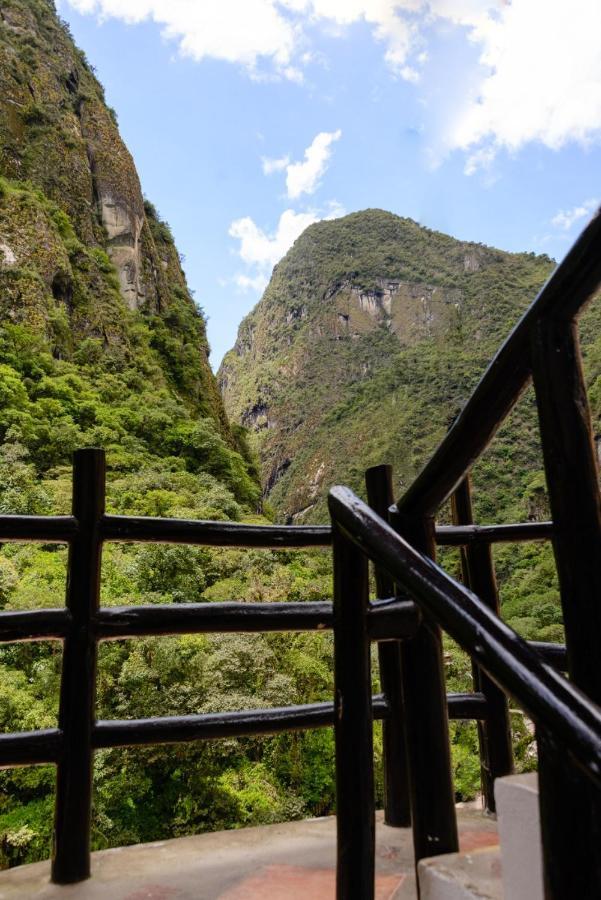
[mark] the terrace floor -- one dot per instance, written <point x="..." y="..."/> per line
<point x="291" y="861"/>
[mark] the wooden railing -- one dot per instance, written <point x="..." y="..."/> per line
<point x="82" y="623"/>
<point x="568" y="723"/>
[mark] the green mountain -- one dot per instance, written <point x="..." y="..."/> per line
<point x="369" y="338"/>
<point x="101" y="342"/>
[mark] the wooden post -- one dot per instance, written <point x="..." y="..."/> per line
<point x="355" y="816"/>
<point x="572" y="823"/>
<point x="71" y="852"/>
<point x="494" y="734"/>
<point x="397" y="808"/>
<point x="426" y="719"/>
<point x="573" y="486"/>
<point x="569" y="805"/>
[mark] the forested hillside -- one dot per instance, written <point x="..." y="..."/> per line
<point x="101" y="344"/>
<point x="368" y="340"/>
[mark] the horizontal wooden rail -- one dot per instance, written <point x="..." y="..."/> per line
<point x="387" y="620"/>
<point x="547" y="697"/>
<point x="213" y="534"/>
<point x="142" y="529"/>
<point x="46" y="529"/>
<point x="209" y="726"/>
<point x="464" y="535"/>
<point x="34" y="624"/>
<point x="28" y="748"/>
<point x="249" y="723"/>
<point x="44" y="746"/>
<point x="235" y="534"/>
<point x="469" y="706"/>
<point x="570" y="287"/>
<point x="197" y="618"/>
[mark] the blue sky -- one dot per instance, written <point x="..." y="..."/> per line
<point x="248" y="119"/>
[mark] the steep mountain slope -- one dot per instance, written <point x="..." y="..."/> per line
<point x="101" y="342"/>
<point x="368" y="339"/>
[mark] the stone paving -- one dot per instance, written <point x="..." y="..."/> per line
<point x="291" y="861"/>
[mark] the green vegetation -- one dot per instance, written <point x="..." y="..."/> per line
<point x="369" y="338"/>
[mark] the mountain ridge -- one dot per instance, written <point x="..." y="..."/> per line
<point x="91" y="285"/>
<point x="370" y="310"/>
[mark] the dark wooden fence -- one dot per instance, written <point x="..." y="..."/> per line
<point x="562" y="713"/>
<point x="82" y="623"/>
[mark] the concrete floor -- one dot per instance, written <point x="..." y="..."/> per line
<point x="459" y="876"/>
<point x="292" y="861"/>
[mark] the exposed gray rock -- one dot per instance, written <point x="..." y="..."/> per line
<point x="7" y="255"/>
<point x="124" y="227"/>
<point x="471" y="261"/>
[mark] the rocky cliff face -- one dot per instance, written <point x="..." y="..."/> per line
<point x="368" y="339"/>
<point x="77" y="240"/>
<point x="58" y="133"/>
<point x="101" y="342"/>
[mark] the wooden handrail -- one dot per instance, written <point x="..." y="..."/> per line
<point x="213" y="534"/>
<point x="546" y="696"/>
<point x="147" y="529"/>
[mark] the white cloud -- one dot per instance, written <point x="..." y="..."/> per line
<point x="261" y="250"/>
<point x="479" y="159"/>
<point x="303" y="177"/>
<point x="248" y="283"/>
<point x="250" y="32"/>
<point x="408" y="73"/>
<point x="274" y="165"/>
<point x="235" y="31"/>
<point x="541" y="79"/>
<point x="335" y="210"/>
<point x="565" y="218"/>
<point x="538" y="77"/>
